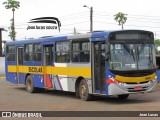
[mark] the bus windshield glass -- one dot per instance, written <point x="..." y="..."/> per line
<point x="125" y="57"/>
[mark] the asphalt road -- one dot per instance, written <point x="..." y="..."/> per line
<point x="16" y="98"/>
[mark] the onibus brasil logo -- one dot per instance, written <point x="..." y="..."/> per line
<point x="51" y="20"/>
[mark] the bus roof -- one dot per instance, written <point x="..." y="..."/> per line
<point x="95" y="35"/>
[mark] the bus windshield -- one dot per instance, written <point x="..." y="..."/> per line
<point x="127" y="57"/>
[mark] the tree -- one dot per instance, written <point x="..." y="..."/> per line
<point x="12" y="4"/>
<point x="4" y="41"/>
<point x="157" y="42"/>
<point x="120" y="18"/>
<point x="157" y="45"/>
<point x="12" y="33"/>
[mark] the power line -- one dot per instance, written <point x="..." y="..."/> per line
<point x="75" y="14"/>
<point x="62" y="29"/>
<point x="126" y="25"/>
<point x="103" y="14"/>
<point x="100" y="12"/>
<point x="104" y="22"/>
<point x="144" y="18"/>
<point x="97" y="15"/>
<point x="148" y="19"/>
<point x="128" y="18"/>
<point x="76" y="17"/>
<point x="76" y="23"/>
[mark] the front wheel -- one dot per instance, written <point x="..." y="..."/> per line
<point x="84" y="91"/>
<point x="123" y="97"/>
<point x="29" y="84"/>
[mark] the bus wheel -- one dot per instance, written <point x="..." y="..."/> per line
<point x="84" y="91"/>
<point x="123" y="97"/>
<point x="29" y="84"/>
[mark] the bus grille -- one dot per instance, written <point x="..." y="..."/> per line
<point x="136" y="82"/>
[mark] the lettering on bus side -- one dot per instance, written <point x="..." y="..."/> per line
<point x="35" y="69"/>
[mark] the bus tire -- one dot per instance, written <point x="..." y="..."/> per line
<point x="123" y="97"/>
<point x="84" y="91"/>
<point x="29" y="85"/>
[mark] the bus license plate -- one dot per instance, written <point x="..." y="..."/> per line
<point x="138" y="88"/>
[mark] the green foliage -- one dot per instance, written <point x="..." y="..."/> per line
<point x="4" y="41"/>
<point x="120" y="18"/>
<point x="12" y="33"/>
<point x="12" y="4"/>
<point x="157" y="44"/>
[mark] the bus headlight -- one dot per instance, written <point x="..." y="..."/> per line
<point x="154" y="80"/>
<point x="156" y="77"/>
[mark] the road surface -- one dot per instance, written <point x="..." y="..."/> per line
<point x="16" y="98"/>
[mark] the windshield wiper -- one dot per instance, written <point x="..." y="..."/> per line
<point x="140" y="51"/>
<point x="150" y="59"/>
<point x="130" y="51"/>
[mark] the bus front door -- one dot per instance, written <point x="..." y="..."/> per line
<point x="47" y="63"/>
<point x="19" y="63"/>
<point x="98" y="66"/>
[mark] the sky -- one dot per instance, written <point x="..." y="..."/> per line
<point x="141" y="14"/>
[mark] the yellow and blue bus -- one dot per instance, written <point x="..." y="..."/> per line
<point x="99" y="63"/>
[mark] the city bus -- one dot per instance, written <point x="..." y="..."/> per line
<point x="107" y="63"/>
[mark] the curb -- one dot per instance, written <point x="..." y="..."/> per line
<point x="2" y="76"/>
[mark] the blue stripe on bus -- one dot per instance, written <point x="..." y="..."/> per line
<point x="98" y="91"/>
<point x="54" y="86"/>
<point x="59" y="82"/>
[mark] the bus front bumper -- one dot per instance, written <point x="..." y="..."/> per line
<point x="123" y="88"/>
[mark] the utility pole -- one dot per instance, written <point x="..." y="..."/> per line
<point x="91" y="17"/>
<point x="74" y="31"/>
<point x="1" y="29"/>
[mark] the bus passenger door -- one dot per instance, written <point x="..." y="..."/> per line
<point x="19" y="63"/>
<point x="98" y="66"/>
<point x="47" y="63"/>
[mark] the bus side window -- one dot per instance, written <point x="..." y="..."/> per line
<point x="37" y="52"/>
<point x="28" y="52"/>
<point x="63" y="52"/>
<point x="81" y="51"/>
<point x="81" y="57"/>
<point x="10" y="53"/>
